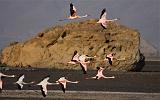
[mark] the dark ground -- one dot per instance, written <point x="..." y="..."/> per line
<point x="146" y="81"/>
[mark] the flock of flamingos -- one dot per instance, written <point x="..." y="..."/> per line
<point x="76" y="59"/>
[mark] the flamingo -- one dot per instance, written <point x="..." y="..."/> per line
<point x="44" y="84"/>
<point x="1" y="82"/>
<point x="84" y="66"/>
<point x="103" y="20"/>
<point x="83" y="62"/>
<point x="20" y="82"/>
<point x="63" y="82"/>
<point x="110" y="58"/>
<point x="73" y="13"/>
<point x="75" y="58"/>
<point x="80" y="59"/>
<point x="100" y="74"/>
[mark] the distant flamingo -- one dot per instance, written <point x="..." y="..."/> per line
<point x="73" y="13"/>
<point x="44" y="84"/>
<point x="103" y="19"/>
<point x="80" y="59"/>
<point x="1" y="82"/>
<point x="75" y="58"/>
<point x="20" y="82"/>
<point x="83" y="62"/>
<point x="63" y="82"/>
<point x="109" y="57"/>
<point x="100" y="74"/>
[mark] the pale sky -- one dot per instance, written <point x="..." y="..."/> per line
<point x="22" y="19"/>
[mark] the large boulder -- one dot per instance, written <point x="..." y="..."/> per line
<point x="54" y="47"/>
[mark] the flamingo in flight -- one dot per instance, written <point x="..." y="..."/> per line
<point x="83" y="62"/>
<point x="103" y="19"/>
<point x="109" y="58"/>
<point x="75" y="58"/>
<point x="20" y="82"/>
<point x="73" y="13"/>
<point x="63" y="83"/>
<point x="80" y="59"/>
<point x="1" y="82"/>
<point x="100" y="74"/>
<point x="43" y="84"/>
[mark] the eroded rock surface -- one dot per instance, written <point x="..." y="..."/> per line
<point x="54" y="47"/>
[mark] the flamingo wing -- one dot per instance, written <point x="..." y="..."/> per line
<point x="84" y="68"/>
<point x="62" y="87"/>
<point x="44" y="90"/>
<point x="103" y="14"/>
<point x="1" y="86"/>
<point x="72" y="10"/>
<point x="20" y="86"/>
<point x="109" y="60"/>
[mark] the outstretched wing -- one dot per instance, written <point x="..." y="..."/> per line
<point x="62" y="87"/>
<point x="72" y="10"/>
<point x="84" y="68"/>
<point x="0" y="86"/>
<point x="21" y="78"/>
<point x="20" y="86"/>
<point x="44" y="91"/>
<point x="103" y="14"/>
<point x="109" y="60"/>
<point x="75" y="56"/>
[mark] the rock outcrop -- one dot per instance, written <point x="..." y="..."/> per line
<point x="54" y="47"/>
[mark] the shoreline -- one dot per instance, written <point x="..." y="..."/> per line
<point x="78" y="95"/>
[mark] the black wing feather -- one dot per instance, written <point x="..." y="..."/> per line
<point x="103" y="11"/>
<point x="62" y="87"/>
<point x="110" y="61"/>
<point x="43" y="93"/>
<point x="84" y="72"/>
<point x="0" y="90"/>
<point x="71" y="9"/>
<point x="75" y="52"/>
<point x="103" y="26"/>
<point x="19" y="87"/>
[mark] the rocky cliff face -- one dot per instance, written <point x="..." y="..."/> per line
<point x="54" y="47"/>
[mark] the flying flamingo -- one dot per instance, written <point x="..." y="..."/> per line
<point x="83" y="62"/>
<point x="20" y="82"/>
<point x="1" y="82"/>
<point x="63" y="82"/>
<point x="73" y="13"/>
<point x="109" y="57"/>
<point x="75" y="58"/>
<point x="103" y="19"/>
<point x="44" y="84"/>
<point x="100" y="74"/>
<point x="80" y="59"/>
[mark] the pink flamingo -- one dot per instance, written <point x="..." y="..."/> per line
<point x="20" y="82"/>
<point x="103" y="19"/>
<point x="1" y="82"/>
<point x="63" y="82"/>
<point x="73" y="13"/>
<point x="44" y="84"/>
<point x="100" y="74"/>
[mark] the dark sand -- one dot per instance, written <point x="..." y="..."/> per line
<point x="147" y="81"/>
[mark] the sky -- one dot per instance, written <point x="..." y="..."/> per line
<point x="23" y="19"/>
